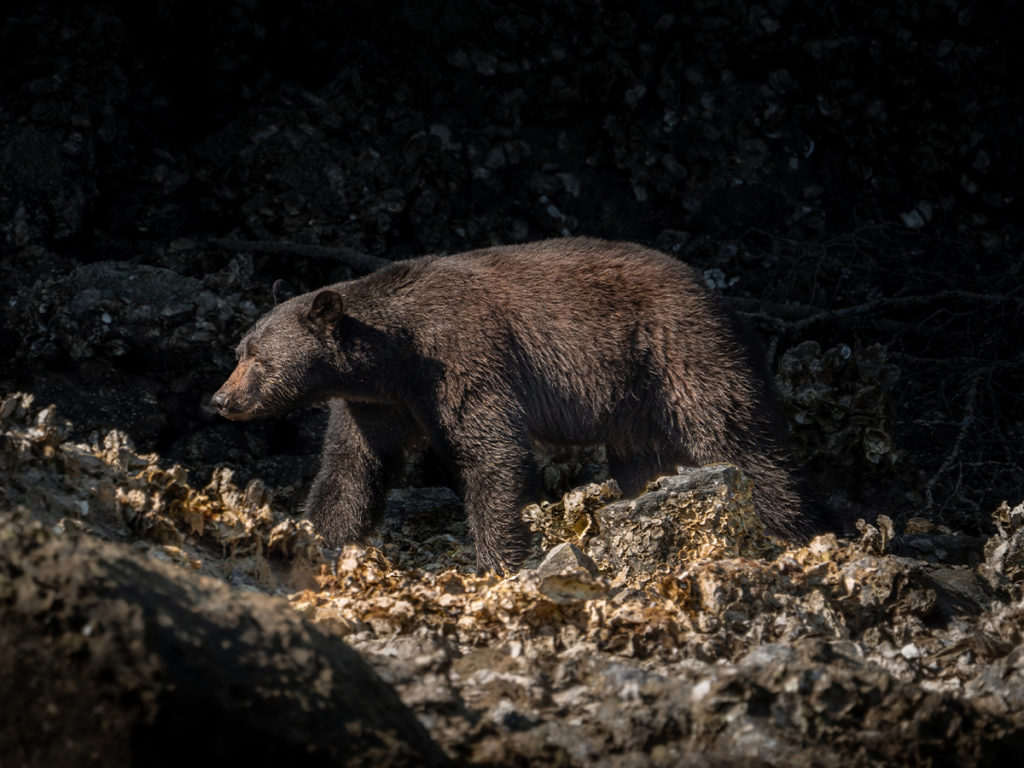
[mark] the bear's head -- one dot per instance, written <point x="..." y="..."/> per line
<point x="289" y="358"/>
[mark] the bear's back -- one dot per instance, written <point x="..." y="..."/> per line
<point x="578" y="278"/>
<point x="572" y="296"/>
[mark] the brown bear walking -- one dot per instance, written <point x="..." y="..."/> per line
<point x="575" y="341"/>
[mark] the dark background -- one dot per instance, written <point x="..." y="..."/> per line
<point x="845" y="174"/>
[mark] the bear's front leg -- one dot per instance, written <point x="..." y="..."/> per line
<point x="362" y="449"/>
<point x="495" y="488"/>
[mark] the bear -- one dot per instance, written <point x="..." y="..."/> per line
<point x="574" y="341"/>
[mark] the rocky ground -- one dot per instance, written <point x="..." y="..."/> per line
<point x="845" y="176"/>
<point x="675" y="633"/>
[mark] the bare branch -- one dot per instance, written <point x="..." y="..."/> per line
<point x="966" y="422"/>
<point x="360" y="262"/>
<point x="797" y="317"/>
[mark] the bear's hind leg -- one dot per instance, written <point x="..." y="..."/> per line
<point x="362" y="449"/>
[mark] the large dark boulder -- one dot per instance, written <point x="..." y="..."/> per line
<point x="110" y="658"/>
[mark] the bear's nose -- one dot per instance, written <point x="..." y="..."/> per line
<point x="220" y="401"/>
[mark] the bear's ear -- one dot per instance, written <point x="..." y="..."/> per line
<point x="326" y="308"/>
<point x="281" y="291"/>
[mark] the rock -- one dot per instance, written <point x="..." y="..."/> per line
<point x="700" y="513"/>
<point x="1000" y="687"/>
<point x="566" y="558"/>
<point x="948" y="548"/>
<point x="1004" y="552"/>
<point x="111" y="658"/>
<point x="844" y="393"/>
<point x="572" y="516"/>
<point x="568" y="575"/>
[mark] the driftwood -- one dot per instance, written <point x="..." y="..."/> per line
<point x="110" y="658"/>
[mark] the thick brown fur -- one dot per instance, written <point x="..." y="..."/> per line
<point x="574" y="341"/>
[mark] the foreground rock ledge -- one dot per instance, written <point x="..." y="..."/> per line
<point x="109" y="658"/>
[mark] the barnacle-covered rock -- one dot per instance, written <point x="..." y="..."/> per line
<point x="109" y="309"/>
<point x="1004" y="552"/>
<point x="700" y="513"/>
<point x="570" y="517"/>
<point x="109" y="488"/>
<point x="843" y="393"/>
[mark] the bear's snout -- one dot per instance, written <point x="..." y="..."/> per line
<point x="229" y="407"/>
<point x="220" y="401"/>
<point x="235" y="400"/>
